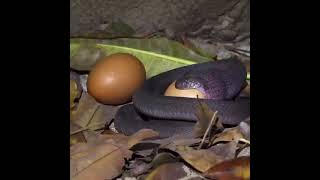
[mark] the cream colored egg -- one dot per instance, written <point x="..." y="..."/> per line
<point x="189" y="93"/>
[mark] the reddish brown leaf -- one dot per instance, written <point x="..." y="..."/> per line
<point x="235" y="169"/>
<point x="141" y="135"/>
<point x="171" y="171"/>
<point x="204" y="115"/>
<point x="101" y="162"/>
<point x="230" y="134"/>
<point x="202" y="160"/>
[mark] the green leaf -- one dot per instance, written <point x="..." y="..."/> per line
<point x="158" y="54"/>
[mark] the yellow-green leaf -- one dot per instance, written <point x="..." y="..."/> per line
<point x="158" y="54"/>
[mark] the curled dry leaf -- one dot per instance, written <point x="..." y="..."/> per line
<point x="235" y="169"/>
<point x="141" y="135"/>
<point x="163" y="158"/>
<point x="202" y="160"/>
<point x="85" y="110"/>
<point x="170" y="171"/>
<point x="225" y="150"/>
<point x="244" y="127"/>
<point x="102" y="116"/>
<point x="244" y="152"/>
<point x="142" y="166"/>
<point x="91" y="114"/>
<point x="204" y="115"/>
<point x="230" y="134"/>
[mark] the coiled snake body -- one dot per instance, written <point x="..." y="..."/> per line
<point x="221" y="81"/>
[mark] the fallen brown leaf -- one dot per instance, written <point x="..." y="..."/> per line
<point x="175" y="140"/>
<point x="77" y="138"/>
<point x="202" y="159"/>
<point x="139" y="167"/>
<point x="85" y="110"/>
<point x="230" y="134"/>
<point x="92" y="115"/>
<point x="163" y="158"/>
<point x="204" y="115"/>
<point x="103" y="156"/>
<point x="104" y="162"/>
<point x="244" y="127"/>
<point x="225" y="150"/>
<point x="141" y="135"/>
<point x="244" y="152"/>
<point x="170" y="171"/>
<point x="235" y="169"/>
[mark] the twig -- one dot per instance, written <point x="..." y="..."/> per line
<point x="208" y="129"/>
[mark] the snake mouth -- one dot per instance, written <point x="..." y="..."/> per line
<point x="189" y="82"/>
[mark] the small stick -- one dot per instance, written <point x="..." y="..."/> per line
<point x="208" y="129"/>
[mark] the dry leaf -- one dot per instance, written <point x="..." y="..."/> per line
<point x="139" y="167"/>
<point x="74" y="127"/>
<point x="74" y="93"/>
<point x="107" y="166"/>
<point x="170" y="171"/>
<point x="225" y="150"/>
<point x="244" y="152"/>
<point x="244" y="127"/>
<point x="77" y="138"/>
<point x="85" y="110"/>
<point x="235" y="169"/>
<point x="204" y="115"/>
<point x="141" y="135"/>
<point x="103" y="157"/>
<point x="163" y="158"/>
<point x="174" y="141"/>
<point x="230" y="134"/>
<point x="127" y="141"/>
<point x="91" y="114"/>
<point x="201" y="159"/>
<point x="103" y="115"/>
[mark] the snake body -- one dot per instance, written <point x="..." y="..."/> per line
<point x="222" y="81"/>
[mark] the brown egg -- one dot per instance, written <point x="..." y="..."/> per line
<point x="188" y="93"/>
<point x="115" y="78"/>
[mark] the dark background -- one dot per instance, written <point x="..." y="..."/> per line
<point x="214" y="18"/>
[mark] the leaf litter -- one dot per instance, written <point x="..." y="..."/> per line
<point x="97" y="152"/>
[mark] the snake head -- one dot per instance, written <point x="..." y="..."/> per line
<point x="191" y="82"/>
<point x="210" y="84"/>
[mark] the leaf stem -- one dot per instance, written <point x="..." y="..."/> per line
<point x="208" y="129"/>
